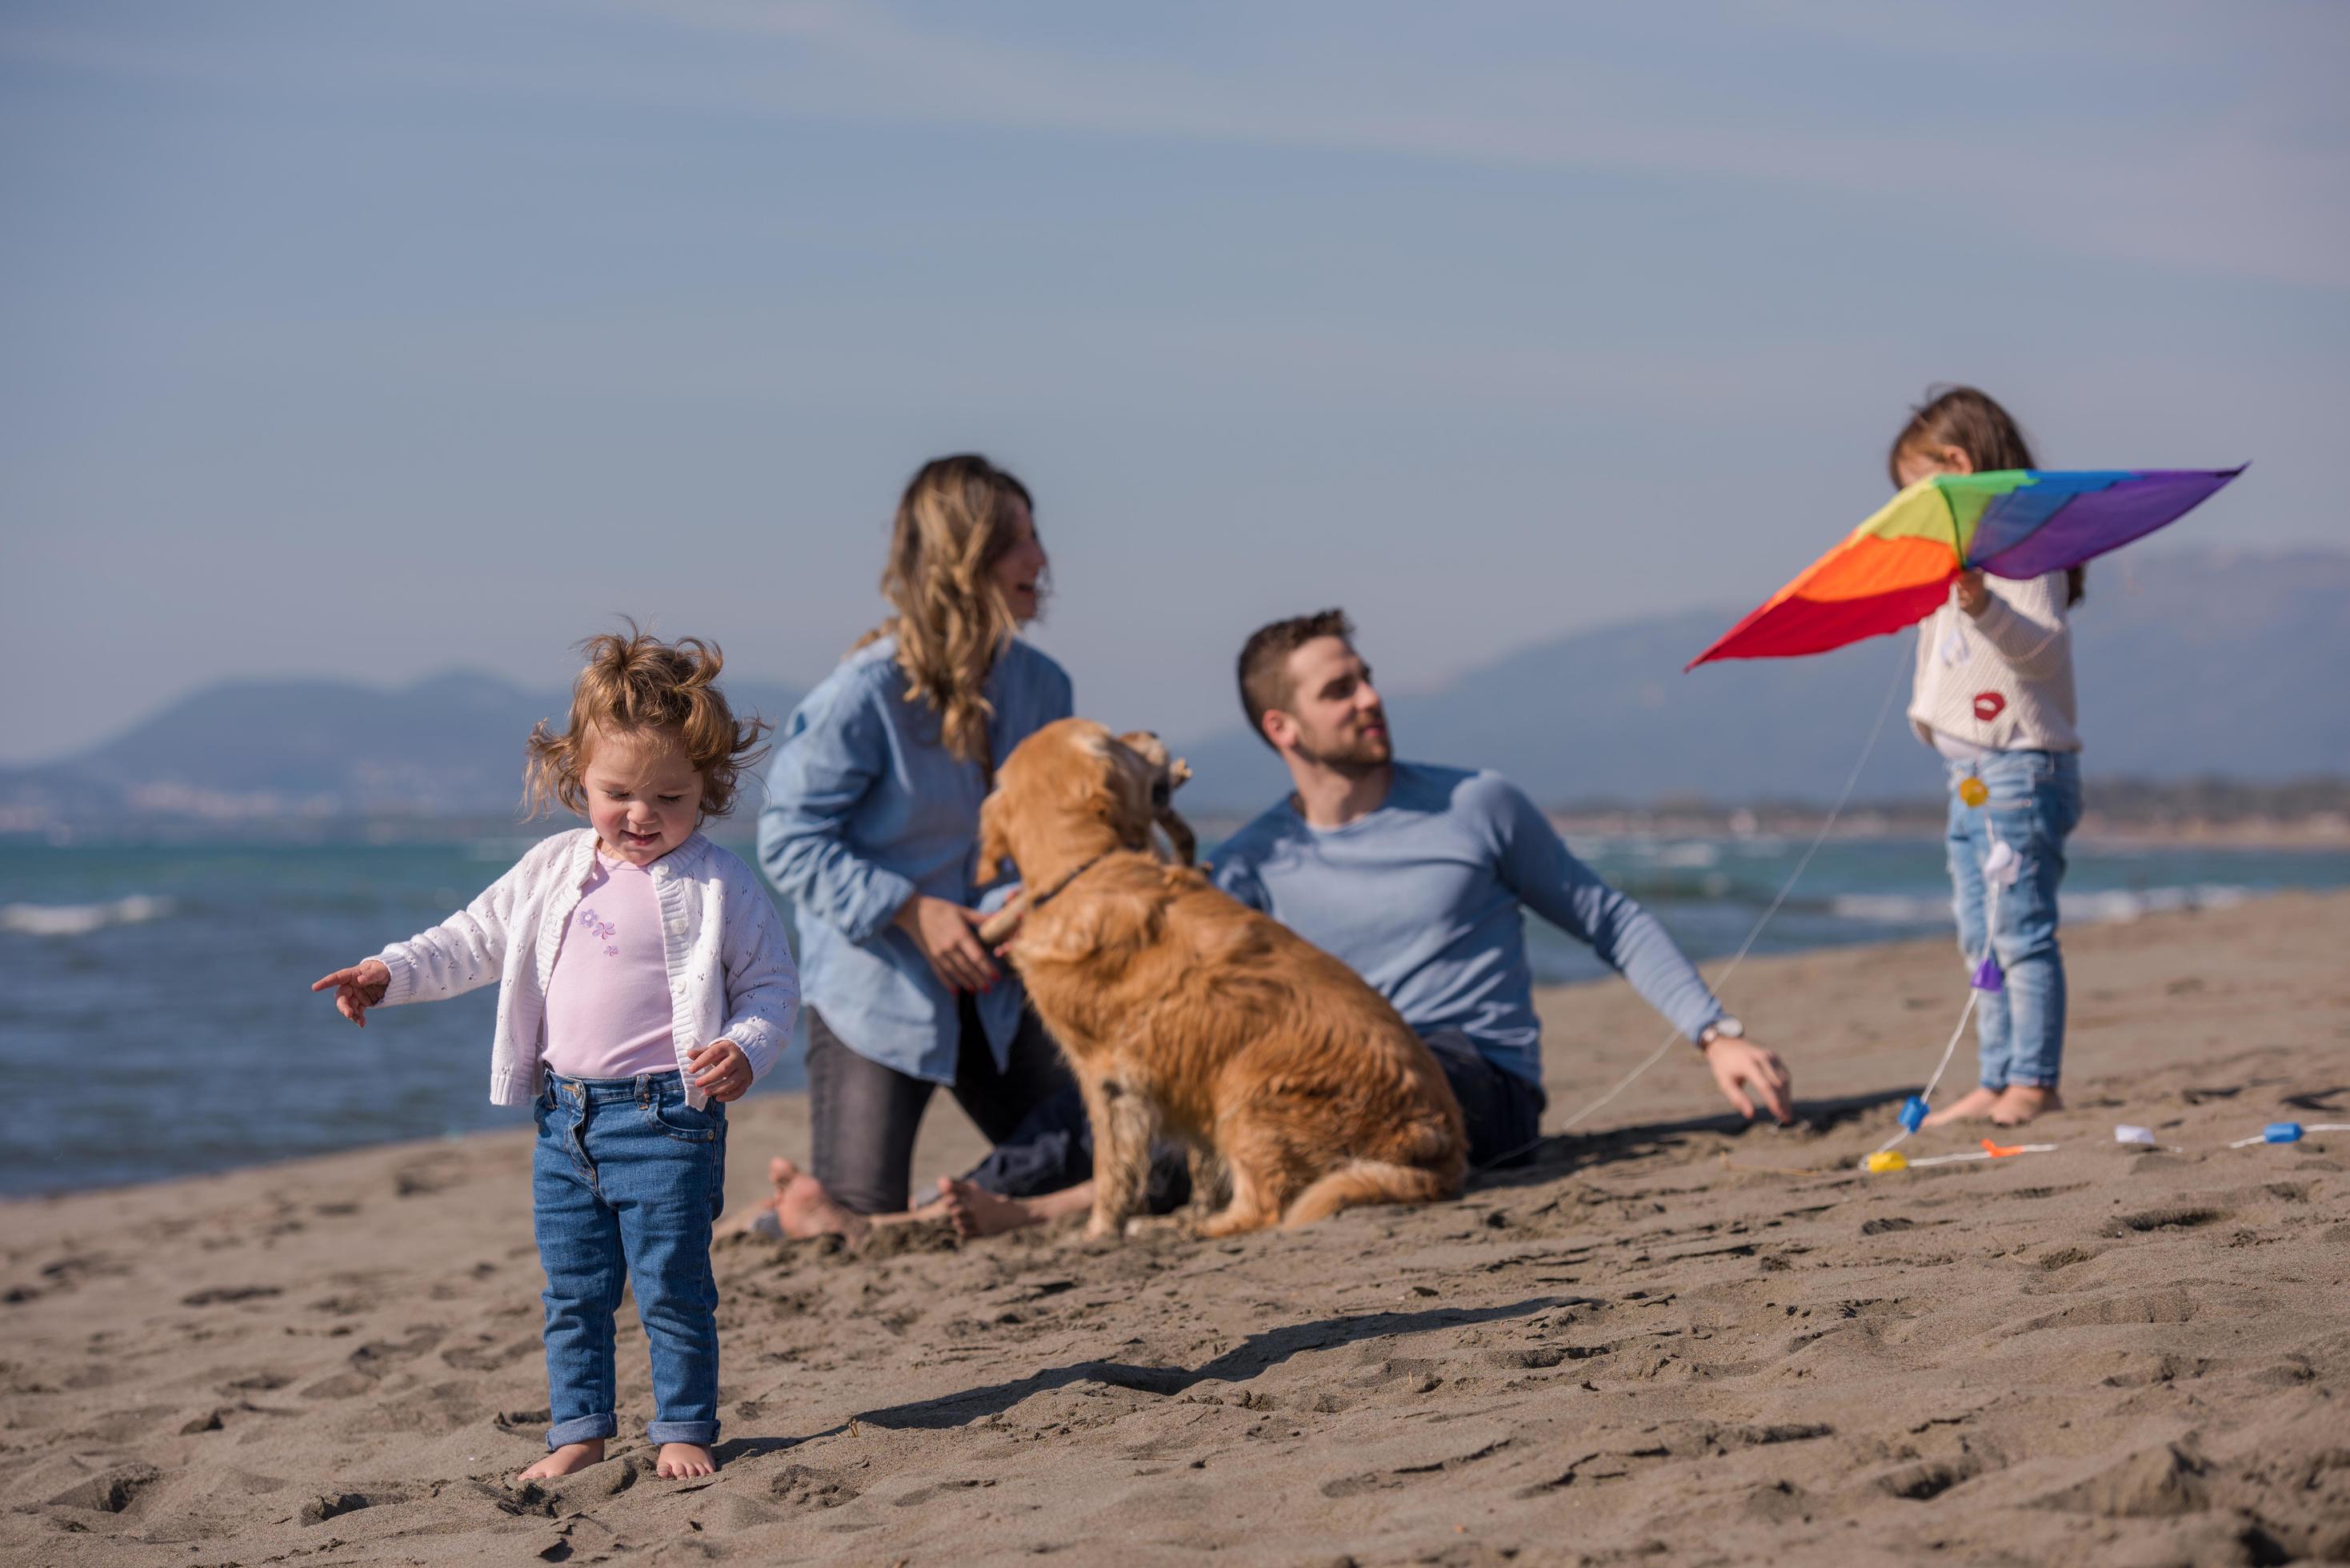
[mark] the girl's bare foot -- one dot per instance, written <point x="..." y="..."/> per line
<point x="679" y="1460"/>
<point x="562" y="1461"/>
<point x="1972" y="1105"/>
<point x="2019" y="1103"/>
<point x="807" y="1210"/>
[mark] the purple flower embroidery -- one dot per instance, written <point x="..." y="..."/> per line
<point x="587" y="919"/>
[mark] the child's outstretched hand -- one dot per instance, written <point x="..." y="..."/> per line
<point x="357" y="989"/>
<point x="719" y="1070"/>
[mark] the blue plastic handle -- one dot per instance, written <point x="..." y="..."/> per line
<point x="2281" y="1132"/>
<point x="1913" y="1114"/>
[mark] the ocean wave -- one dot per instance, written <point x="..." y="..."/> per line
<point x="2081" y="907"/>
<point x="1891" y="908"/>
<point x="81" y="919"/>
<point x="2128" y="904"/>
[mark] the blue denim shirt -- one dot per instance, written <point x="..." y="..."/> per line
<point x="865" y="807"/>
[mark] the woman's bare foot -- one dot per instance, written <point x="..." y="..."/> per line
<point x="973" y="1210"/>
<point x="562" y="1461"/>
<point x="1971" y="1106"/>
<point x="807" y="1210"/>
<point x="2019" y="1103"/>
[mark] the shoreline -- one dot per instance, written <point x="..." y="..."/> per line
<point x="762" y="1107"/>
<point x="2319" y="829"/>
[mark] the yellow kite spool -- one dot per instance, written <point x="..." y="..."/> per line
<point x="1886" y="1160"/>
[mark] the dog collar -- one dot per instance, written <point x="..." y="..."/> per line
<point x="1041" y="899"/>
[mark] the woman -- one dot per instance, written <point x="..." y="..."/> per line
<point x="871" y="831"/>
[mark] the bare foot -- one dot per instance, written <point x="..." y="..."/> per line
<point x="780" y="1171"/>
<point x="679" y="1460"/>
<point x="1971" y="1106"/>
<point x="807" y="1210"/>
<point x="2022" y="1102"/>
<point x="976" y="1211"/>
<point x="570" y="1457"/>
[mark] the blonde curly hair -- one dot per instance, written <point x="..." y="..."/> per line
<point x="635" y="683"/>
<point x="955" y="523"/>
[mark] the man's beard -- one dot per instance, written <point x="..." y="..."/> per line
<point x="1354" y="755"/>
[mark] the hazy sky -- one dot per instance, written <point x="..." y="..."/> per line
<point x="371" y="340"/>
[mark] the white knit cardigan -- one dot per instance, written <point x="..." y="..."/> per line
<point x="730" y="974"/>
<point x="2003" y="681"/>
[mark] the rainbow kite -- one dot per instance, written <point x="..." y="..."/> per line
<point x="1894" y="569"/>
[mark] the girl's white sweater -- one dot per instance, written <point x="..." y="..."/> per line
<point x="2002" y="682"/>
<point x="730" y="974"/>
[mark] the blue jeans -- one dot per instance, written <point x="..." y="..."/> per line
<point x="625" y="1181"/>
<point x="2035" y="801"/>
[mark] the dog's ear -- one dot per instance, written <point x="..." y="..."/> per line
<point x="994" y="848"/>
<point x="1166" y="774"/>
<point x="1185" y="842"/>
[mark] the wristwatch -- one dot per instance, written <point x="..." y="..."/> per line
<point x="1722" y="1028"/>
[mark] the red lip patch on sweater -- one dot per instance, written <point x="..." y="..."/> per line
<point x="1988" y="705"/>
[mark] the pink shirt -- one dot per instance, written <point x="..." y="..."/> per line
<point x="608" y="1003"/>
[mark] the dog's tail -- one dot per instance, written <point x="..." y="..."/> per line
<point x="1361" y="1181"/>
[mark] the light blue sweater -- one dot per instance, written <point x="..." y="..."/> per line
<point x="1421" y="898"/>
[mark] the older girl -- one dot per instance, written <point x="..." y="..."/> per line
<point x="871" y="832"/>
<point x="1994" y="694"/>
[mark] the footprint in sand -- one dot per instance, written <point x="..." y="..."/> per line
<point x="804" y="1486"/>
<point x="371" y="1362"/>
<point x="334" y="1505"/>
<point x="490" y="1358"/>
<point x="111" y="1492"/>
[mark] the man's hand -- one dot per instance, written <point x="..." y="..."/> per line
<point x="719" y="1070"/>
<point x="1746" y="1072"/>
<point x="944" y="930"/>
<point x="357" y="989"/>
<point x="1970" y="594"/>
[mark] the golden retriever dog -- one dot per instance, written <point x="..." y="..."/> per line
<point x="1185" y="1013"/>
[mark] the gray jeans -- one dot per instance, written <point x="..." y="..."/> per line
<point x="863" y="1116"/>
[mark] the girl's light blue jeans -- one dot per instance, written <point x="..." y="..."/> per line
<point x="2035" y="802"/>
<point x="626" y="1180"/>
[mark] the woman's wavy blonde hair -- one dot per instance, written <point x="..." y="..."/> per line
<point x="636" y="683"/>
<point x="955" y="523"/>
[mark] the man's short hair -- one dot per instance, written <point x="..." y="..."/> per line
<point x="1265" y="682"/>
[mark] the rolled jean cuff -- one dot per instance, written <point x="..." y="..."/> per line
<point x="702" y="1432"/>
<point x="583" y="1430"/>
<point x="2026" y="1081"/>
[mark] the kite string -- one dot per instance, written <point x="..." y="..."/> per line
<point x="1852" y="781"/>
<point x="1990" y="923"/>
<point x="1942" y="1066"/>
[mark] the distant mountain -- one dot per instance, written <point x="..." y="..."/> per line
<point x="2189" y="664"/>
<point x="450" y="745"/>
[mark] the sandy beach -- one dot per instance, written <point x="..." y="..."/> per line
<point x="1675" y="1339"/>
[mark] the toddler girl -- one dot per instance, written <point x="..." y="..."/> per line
<point x="1994" y="694"/>
<point x="642" y="983"/>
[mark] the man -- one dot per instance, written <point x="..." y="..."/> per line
<point x="1415" y="877"/>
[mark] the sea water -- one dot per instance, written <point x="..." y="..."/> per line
<point x="156" y="1017"/>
